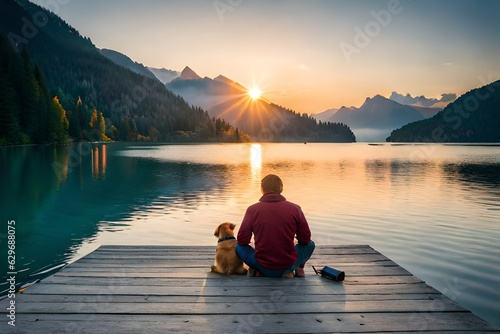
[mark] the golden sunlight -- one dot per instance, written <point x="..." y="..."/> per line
<point x="255" y="93"/>
<point x="256" y="156"/>
<point x="256" y="161"/>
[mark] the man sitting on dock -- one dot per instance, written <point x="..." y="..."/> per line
<point x="275" y="223"/>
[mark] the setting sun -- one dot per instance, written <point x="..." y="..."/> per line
<point x="255" y="93"/>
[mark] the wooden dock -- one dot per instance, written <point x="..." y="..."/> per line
<point x="156" y="289"/>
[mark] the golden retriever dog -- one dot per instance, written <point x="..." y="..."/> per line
<point x="227" y="261"/>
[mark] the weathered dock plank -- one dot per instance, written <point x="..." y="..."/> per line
<point x="251" y="323"/>
<point x="236" y="306"/>
<point x="100" y="280"/>
<point x="157" y="289"/>
<point x="242" y="291"/>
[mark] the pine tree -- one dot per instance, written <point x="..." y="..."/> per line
<point x="60" y="122"/>
<point x="101" y="125"/>
<point x="95" y="127"/>
<point x="45" y="125"/>
<point x="28" y="94"/>
<point x="9" y="110"/>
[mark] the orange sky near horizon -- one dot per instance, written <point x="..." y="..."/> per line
<point x="305" y="55"/>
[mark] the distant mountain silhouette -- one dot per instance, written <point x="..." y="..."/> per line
<point x="205" y="92"/>
<point x="124" y="61"/>
<point x="188" y="74"/>
<point x="230" y="82"/>
<point x="422" y="101"/>
<point x="263" y="121"/>
<point x="164" y="75"/>
<point x="325" y="115"/>
<point x="427" y="112"/>
<point x="377" y="113"/>
<point x="375" y="119"/>
<point x="135" y="107"/>
<point x="473" y="117"/>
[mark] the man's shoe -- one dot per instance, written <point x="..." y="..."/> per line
<point x="299" y="272"/>
<point x="252" y="272"/>
<point x="289" y="275"/>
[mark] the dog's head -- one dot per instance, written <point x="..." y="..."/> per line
<point x="224" y="229"/>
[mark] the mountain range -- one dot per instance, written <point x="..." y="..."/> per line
<point x="473" y="117"/>
<point x="262" y="120"/>
<point x="124" y="61"/>
<point x="162" y="74"/>
<point x="324" y="116"/>
<point x="130" y="101"/>
<point x="131" y="106"/>
<point x="107" y="92"/>
<point x="205" y="92"/>
<point x="376" y="118"/>
<point x="422" y="101"/>
<point x="224" y="98"/>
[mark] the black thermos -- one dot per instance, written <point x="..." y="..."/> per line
<point x="331" y="273"/>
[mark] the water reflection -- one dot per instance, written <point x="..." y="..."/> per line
<point x="481" y="181"/>
<point x="432" y="213"/>
<point x="480" y="174"/>
<point x="377" y="170"/>
<point x="63" y="196"/>
<point x="28" y="175"/>
<point x="33" y="178"/>
<point x="256" y="162"/>
<point x="99" y="161"/>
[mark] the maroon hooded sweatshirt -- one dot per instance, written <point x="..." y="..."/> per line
<point x="275" y="223"/>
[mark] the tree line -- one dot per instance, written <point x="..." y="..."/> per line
<point x="473" y="118"/>
<point x="309" y="129"/>
<point x="28" y="112"/>
<point x="96" y="93"/>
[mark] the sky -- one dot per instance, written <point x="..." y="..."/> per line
<point x="306" y="55"/>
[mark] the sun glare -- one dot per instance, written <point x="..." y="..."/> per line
<point x="255" y="93"/>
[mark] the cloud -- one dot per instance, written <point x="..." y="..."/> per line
<point x="422" y="100"/>
<point x="450" y="97"/>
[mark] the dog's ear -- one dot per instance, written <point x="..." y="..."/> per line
<point x="232" y="226"/>
<point x="216" y="233"/>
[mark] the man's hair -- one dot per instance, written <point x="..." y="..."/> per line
<point x="271" y="184"/>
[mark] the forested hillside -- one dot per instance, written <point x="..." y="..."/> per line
<point x="87" y="84"/>
<point x="28" y="113"/>
<point x="261" y="119"/>
<point x="473" y="117"/>
<point x="307" y="128"/>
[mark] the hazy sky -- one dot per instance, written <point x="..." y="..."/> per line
<point x="308" y="55"/>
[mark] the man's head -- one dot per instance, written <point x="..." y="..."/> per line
<point x="271" y="184"/>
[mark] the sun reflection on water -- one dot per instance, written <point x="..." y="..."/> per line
<point x="256" y="161"/>
<point x="99" y="162"/>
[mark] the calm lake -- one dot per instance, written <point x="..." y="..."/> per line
<point x="434" y="209"/>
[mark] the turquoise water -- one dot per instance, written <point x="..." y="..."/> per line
<point x="434" y="209"/>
